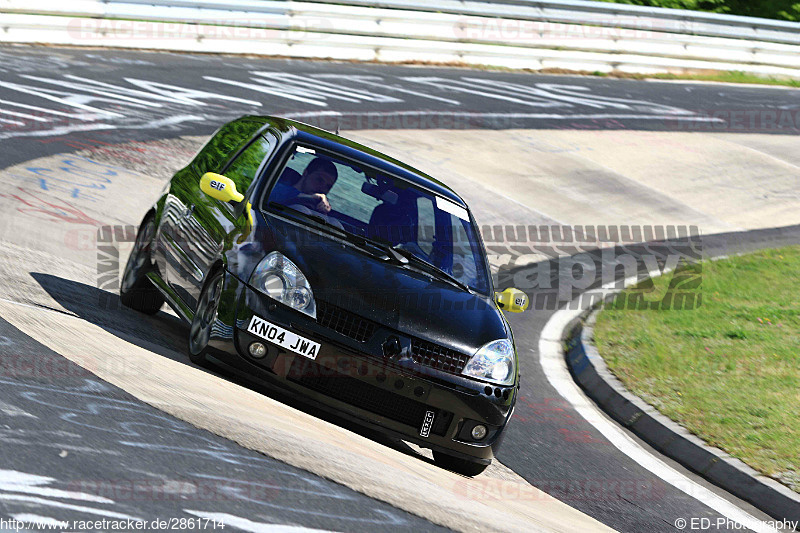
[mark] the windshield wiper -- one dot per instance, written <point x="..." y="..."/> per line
<point x="400" y="256"/>
<point x="431" y="268"/>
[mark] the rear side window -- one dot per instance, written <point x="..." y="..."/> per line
<point x="223" y="145"/>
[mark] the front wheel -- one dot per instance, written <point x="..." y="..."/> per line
<point x="458" y="465"/>
<point x="136" y="291"/>
<point x="204" y="318"/>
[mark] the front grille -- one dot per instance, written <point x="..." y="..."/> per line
<point x="436" y="356"/>
<point x="344" y="322"/>
<point x="365" y="396"/>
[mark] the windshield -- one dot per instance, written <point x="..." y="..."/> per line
<point x="384" y="209"/>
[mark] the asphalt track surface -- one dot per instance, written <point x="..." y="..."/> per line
<point x="53" y="98"/>
<point x="117" y="439"/>
<point x="113" y="457"/>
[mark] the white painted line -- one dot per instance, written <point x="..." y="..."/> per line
<point x="58" y="131"/>
<point x="12" y="410"/>
<point x="50" y="94"/>
<point x="266" y="90"/>
<point x="78" y="86"/>
<point x="41" y="521"/>
<point x="464" y="87"/>
<point x="14" y="481"/>
<point x="548" y="116"/>
<point x="37" y="108"/>
<point x="248" y="525"/>
<point x="551" y="357"/>
<point x="325" y="89"/>
<point x="22" y="115"/>
<point x="375" y="81"/>
<point x="54" y="503"/>
<point x="184" y="95"/>
<point x="168" y="121"/>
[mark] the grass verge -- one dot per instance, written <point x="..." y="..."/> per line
<point x="734" y="76"/>
<point x="729" y="370"/>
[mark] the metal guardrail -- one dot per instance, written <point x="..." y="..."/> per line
<point x="566" y="34"/>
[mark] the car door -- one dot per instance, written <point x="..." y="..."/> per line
<point x="180" y="271"/>
<point x="211" y="221"/>
<point x="170" y="248"/>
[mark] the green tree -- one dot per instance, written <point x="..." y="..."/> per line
<point x="771" y="9"/>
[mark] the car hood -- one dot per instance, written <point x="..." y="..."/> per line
<point x="413" y="303"/>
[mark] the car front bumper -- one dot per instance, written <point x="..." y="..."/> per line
<point x="392" y="395"/>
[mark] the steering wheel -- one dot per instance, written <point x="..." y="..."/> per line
<point x="306" y="201"/>
<point x="302" y="205"/>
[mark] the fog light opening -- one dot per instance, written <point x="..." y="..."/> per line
<point x="257" y="350"/>
<point x="479" y="432"/>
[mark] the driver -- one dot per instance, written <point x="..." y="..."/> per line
<point x="314" y="185"/>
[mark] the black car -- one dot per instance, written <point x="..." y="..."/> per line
<point x="351" y="279"/>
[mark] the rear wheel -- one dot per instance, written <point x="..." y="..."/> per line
<point x="204" y="318"/>
<point x="458" y="465"/>
<point x="136" y="291"/>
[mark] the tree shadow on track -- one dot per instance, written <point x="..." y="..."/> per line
<point x="165" y="334"/>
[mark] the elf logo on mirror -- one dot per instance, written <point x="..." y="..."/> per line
<point x="217" y="185"/>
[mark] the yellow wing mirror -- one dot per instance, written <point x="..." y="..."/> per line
<point x="219" y="187"/>
<point x="512" y="299"/>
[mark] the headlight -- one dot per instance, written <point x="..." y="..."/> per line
<point x="494" y="362"/>
<point x="280" y="279"/>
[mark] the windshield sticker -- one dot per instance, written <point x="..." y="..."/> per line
<point x="449" y="207"/>
<point x="303" y="150"/>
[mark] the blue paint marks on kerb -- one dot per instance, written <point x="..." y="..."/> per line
<point x="77" y="177"/>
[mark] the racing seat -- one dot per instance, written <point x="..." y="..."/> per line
<point x="394" y="224"/>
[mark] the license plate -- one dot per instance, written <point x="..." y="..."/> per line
<point x="283" y="338"/>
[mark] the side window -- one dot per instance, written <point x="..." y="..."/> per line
<point x="228" y="139"/>
<point x="243" y="169"/>
<point x="427" y="224"/>
<point x="300" y="161"/>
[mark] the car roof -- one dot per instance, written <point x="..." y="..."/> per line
<point x="335" y="143"/>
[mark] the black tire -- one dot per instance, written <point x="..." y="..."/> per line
<point x="204" y="318"/>
<point x="458" y="465"/>
<point x="136" y="290"/>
